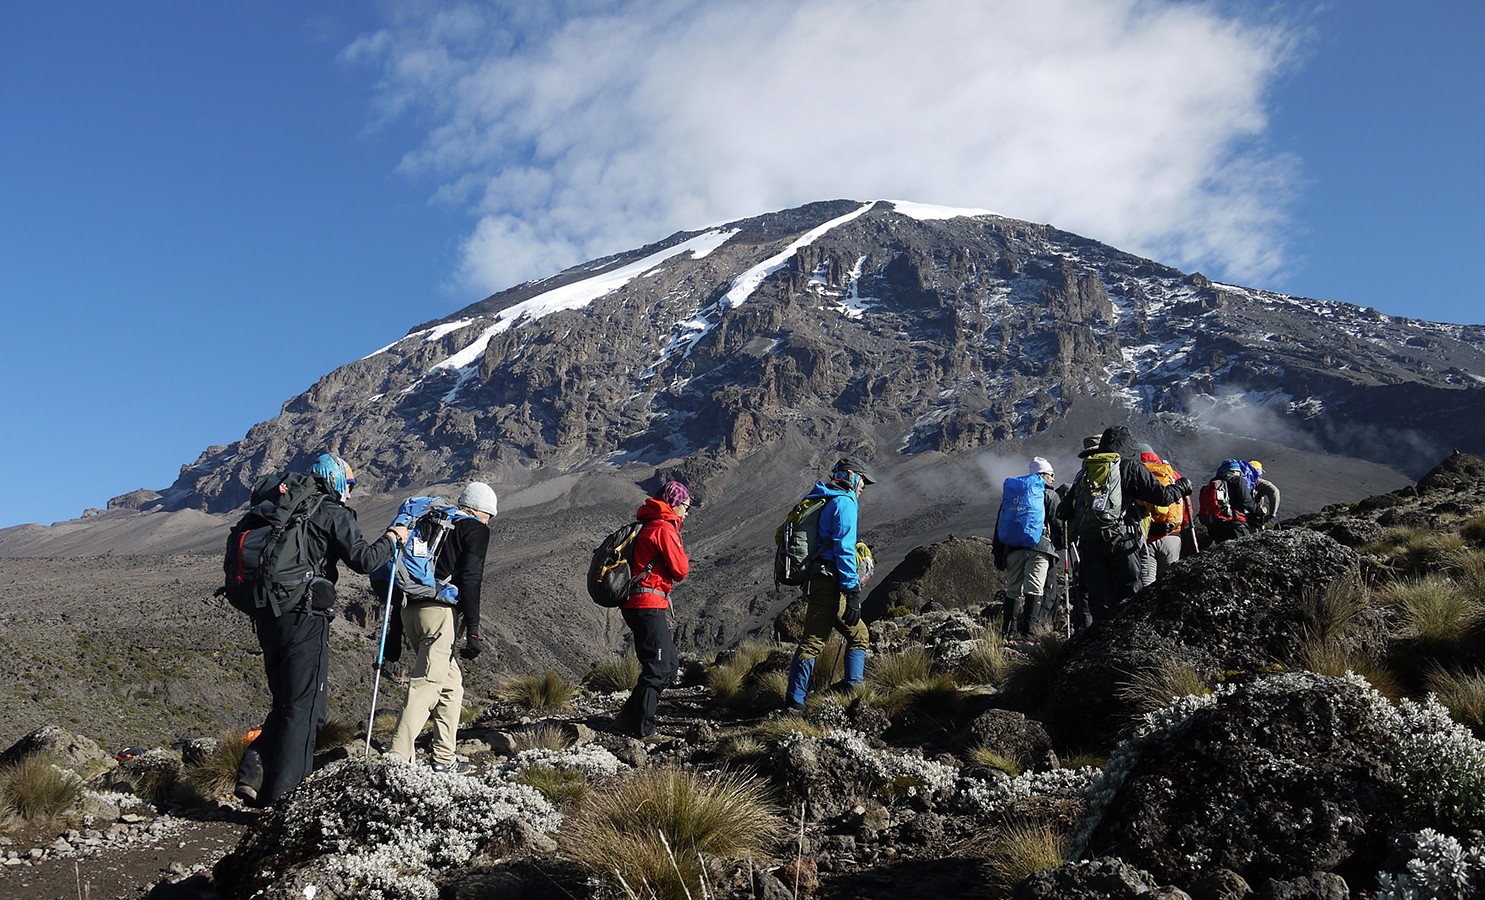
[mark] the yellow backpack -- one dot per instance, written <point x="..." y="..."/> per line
<point x="1164" y="519"/>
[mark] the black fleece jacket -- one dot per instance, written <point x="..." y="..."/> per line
<point x="461" y="560"/>
<point x="336" y="537"/>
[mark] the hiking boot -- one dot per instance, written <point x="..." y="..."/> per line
<point x="246" y="793"/>
<point x="793" y="706"/>
<point x="457" y="767"/>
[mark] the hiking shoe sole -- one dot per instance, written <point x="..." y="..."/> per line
<point x="457" y="767"/>
<point x="245" y="792"/>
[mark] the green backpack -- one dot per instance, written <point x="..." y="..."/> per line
<point x="797" y="543"/>
<point x="1098" y="500"/>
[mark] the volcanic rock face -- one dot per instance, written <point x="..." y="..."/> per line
<point x="884" y="327"/>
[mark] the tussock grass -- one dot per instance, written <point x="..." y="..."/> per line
<point x="1084" y="759"/>
<point x="1463" y="694"/>
<point x="777" y="728"/>
<point x="334" y="733"/>
<point x="885" y="672"/>
<point x="620" y="673"/>
<point x="930" y="692"/>
<point x="649" y="833"/>
<point x="1337" y="612"/>
<point x="1467" y="568"/>
<point x="728" y="678"/>
<point x="546" y="692"/>
<point x="216" y="775"/>
<point x="988" y="663"/>
<point x="1019" y="851"/>
<point x="1473" y="530"/>
<point x="35" y="789"/>
<point x="1414" y="551"/>
<point x="1029" y="682"/>
<point x="383" y="726"/>
<point x="563" y="787"/>
<point x="1153" y="688"/>
<point x="743" y="748"/>
<point x="541" y="736"/>
<point x="1432" y="609"/>
<point x="987" y="758"/>
<point x="769" y="688"/>
<point x="1333" y="659"/>
<point x="469" y="712"/>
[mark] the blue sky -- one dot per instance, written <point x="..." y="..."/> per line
<point x="204" y="207"/>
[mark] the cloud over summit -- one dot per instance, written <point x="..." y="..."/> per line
<point x="573" y="130"/>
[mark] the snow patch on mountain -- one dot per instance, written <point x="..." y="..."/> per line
<point x="926" y="212"/>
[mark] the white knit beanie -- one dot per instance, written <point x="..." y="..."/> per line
<point x="1039" y="465"/>
<point x="480" y="496"/>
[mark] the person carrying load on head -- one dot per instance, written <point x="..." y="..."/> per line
<point x="833" y="592"/>
<point x="1105" y="516"/>
<point x="433" y="618"/>
<point x="296" y="638"/>
<point x="659" y="562"/>
<point x="1027" y="539"/>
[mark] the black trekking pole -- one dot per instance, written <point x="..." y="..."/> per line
<point x="381" y="647"/>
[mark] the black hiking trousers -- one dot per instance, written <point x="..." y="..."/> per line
<point x="658" y="664"/>
<point x="1110" y="579"/>
<point x="296" y="659"/>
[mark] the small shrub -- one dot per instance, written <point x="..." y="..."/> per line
<point x="216" y="775"/>
<point x="621" y="673"/>
<point x="1019" y="851"/>
<point x="648" y="833"/>
<point x="1463" y="694"/>
<point x="34" y="789"/>
<point x="562" y="786"/>
<point x="545" y="692"/>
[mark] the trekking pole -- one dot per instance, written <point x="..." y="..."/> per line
<point x="381" y="646"/>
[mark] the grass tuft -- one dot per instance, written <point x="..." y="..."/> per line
<point x="542" y="736"/>
<point x="1432" y="610"/>
<point x="987" y="758"/>
<point x="1019" y="851"/>
<point x="563" y="787"/>
<point x="1150" y="689"/>
<point x="620" y="673"/>
<point x="216" y="775"/>
<point x="650" y="832"/>
<point x="1463" y="694"/>
<point x="35" y="789"/>
<point x="546" y="692"/>
<point x="988" y="663"/>
<point x="335" y="733"/>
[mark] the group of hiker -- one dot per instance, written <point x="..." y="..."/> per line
<point x="1123" y="521"/>
<point x="282" y="567"/>
<point x="1125" y="518"/>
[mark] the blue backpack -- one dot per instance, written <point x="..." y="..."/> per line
<point x="1023" y="511"/>
<point x="428" y="521"/>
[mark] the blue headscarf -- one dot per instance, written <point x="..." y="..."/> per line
<point x="333" y="471"/>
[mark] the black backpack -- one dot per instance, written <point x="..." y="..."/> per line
<point x="611" y="572"/>
<point x="268" y="562"/>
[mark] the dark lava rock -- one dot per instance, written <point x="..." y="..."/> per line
<point x="1091" y="879"/>
<point x="1230" y="609"/>
<point x="1277" y="779"/>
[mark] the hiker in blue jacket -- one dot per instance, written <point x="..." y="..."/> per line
<point x="834" y="592"/>
<point x="1026" y="559"/>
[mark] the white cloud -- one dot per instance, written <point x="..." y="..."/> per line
<point x="573" y="130"/>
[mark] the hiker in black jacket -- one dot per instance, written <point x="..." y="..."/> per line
<point x="296" y="644"/>
<point x="1110" y="555"/>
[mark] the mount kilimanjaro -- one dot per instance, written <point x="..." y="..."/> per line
<point x="891" y="329"/>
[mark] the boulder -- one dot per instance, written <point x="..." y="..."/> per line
<point x="1014" y="736"/>
<point x="1231" y="609"/>
<point x="1275" y="780"/>
<point x="1092" y="879"/>
<point x="72" y="751"/>
<point x="956" y="573"/>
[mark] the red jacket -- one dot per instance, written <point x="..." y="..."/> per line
<point x="659" y="541"/>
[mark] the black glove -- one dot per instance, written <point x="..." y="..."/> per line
<point x="852" y="615"/>
<point x="472" y="646"/>
<point x="1062" y="489"/>
<point x="999" y="554"/>
<point x="1184" y="484"/>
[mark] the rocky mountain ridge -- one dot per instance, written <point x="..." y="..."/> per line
<point x="887" y="328"/>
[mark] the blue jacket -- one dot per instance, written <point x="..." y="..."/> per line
<point x="838" y="532"/>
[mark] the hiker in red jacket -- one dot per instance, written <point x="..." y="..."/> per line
<point x="659" y="562"/>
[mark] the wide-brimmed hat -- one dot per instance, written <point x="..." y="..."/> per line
<point x="854" y="464"/>
<point x="1090" y="445"/>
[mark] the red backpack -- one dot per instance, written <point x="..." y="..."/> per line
<point x="1215" y="505"/>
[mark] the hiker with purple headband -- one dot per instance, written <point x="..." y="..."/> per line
<point x="659" y="562"/>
